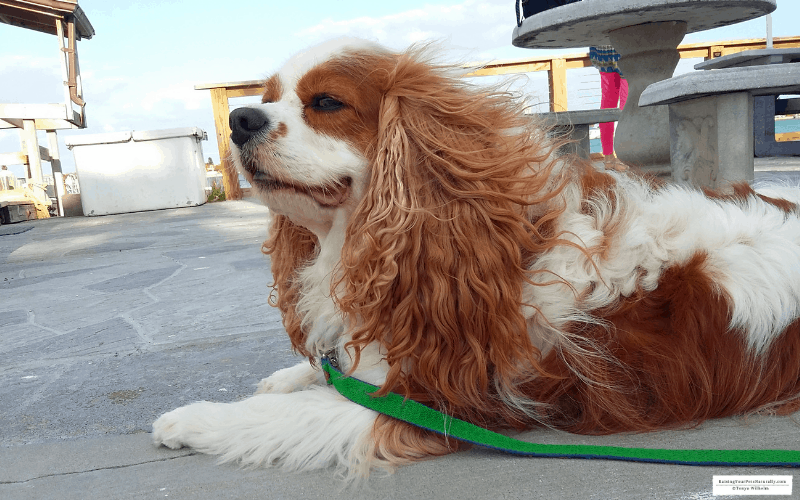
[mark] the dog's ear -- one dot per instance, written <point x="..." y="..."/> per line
<point x="435" y="257"/>
<point x="290" y="248"/>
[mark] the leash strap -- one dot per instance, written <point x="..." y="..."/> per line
<point x="414" y="413"/>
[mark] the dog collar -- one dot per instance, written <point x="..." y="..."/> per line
<point x="331" y="358"/>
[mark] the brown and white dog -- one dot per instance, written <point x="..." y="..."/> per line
<point x="427" y="231"/>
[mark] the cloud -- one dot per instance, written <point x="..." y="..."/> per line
<point x="468" y="26"/>
<point x="181" y="94"/>
<point x="150" y="101"/>
<point x="30" y="79"/>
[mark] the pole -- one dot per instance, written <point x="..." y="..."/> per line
<point x="769" y="31"/>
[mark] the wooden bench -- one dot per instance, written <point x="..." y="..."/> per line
<point x="711" y="119"/>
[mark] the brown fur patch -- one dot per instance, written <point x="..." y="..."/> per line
<point x="436" y="255"/>
<point x="742" y="192"/>
<point x="280" y="131"/>
<point x="273" y="90"/>
<point x="399" y="443"/>
<point x="354" y="82"/>
<point x="290" y="248"/>
<point x="668" y="359"/>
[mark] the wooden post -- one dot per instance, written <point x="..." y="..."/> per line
<point x="230" y="178"/>
<point x="31" y="147"/>
<point x="55" y="166"/>
<point x="557" y="78"/>
<point x="64" y="59"/>
<point x="715" y="51"/>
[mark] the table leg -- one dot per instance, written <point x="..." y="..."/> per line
<point x="712" y="140"/>
<point x="649" y="53"/>
<point x="578" y="136"/>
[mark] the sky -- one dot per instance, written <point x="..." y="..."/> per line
<point x="140" y="68"/>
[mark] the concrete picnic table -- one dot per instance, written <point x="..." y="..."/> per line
<point x="711" y="119"/>
<point x="765" y="106"/>
<point x="646" y="33"/>
<point x="758" y="57"/>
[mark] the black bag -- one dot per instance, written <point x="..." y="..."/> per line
<point x="531" y="7"/>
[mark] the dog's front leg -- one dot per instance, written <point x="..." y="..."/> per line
<point x="302" y="430"/>
<point x="295" y="378"/>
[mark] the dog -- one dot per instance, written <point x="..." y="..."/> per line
<point x="428" y="232"/>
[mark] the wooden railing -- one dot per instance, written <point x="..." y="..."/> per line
<point x="556" y="67"/>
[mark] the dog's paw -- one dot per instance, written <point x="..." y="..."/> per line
<point x="288" y="380"/>
<point x="173" y="429"/>
<point x="276" y="385"/>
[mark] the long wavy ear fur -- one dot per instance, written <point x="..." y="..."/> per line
<point x="290" y="248"/>
<point x="436" y="255"/>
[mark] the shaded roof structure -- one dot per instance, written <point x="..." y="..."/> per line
<point x="41" y="15"/>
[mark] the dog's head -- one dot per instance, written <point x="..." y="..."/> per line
<point x="428" y="183"/>
<point x="306" y="148"/>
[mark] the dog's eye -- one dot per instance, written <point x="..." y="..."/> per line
<point x="326" y="103"/>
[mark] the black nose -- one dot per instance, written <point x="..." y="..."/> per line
<point x="245" y="123"/>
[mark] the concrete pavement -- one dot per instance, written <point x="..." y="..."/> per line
<point x="107" y="322"/>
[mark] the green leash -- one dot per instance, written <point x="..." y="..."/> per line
<point x="412" y="412"/>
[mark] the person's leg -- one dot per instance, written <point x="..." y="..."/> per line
<point x="609" y="97"/>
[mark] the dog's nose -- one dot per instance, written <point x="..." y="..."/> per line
<point x="245" y="123"/>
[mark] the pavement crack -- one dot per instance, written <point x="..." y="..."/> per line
<point x="56" y="373"/>
<point x="32" y="321"/>
<point x="127" y="316"/>
<point x="100" y="469"/>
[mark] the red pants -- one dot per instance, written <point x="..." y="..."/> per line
<point x="614" y="93"/>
